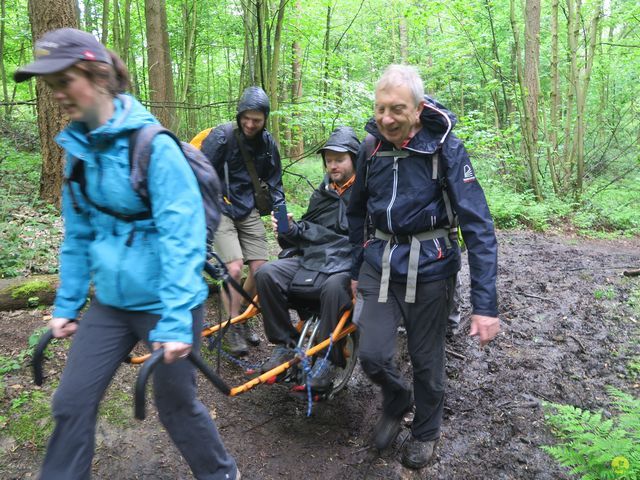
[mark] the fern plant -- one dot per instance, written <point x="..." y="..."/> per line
<point x="594" y="447"/>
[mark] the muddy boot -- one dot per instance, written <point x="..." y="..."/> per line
<point x="322" y="375"/>
<point x="417" y="454"/>
<point x="249" y="335"/>
<point x="235" y="341"/>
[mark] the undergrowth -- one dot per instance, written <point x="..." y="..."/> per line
<point x="594" y="446"/>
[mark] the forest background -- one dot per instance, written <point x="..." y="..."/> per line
<point x="545" y="91"/>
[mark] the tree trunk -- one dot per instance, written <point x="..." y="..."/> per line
<point x="552" y="156"/>
<point x="46" y="15"/>
<point x="105" y="22"/>
<point x="273" y="72"/>
<point x="526" y="104"/>
<point x="27" y="292"/>
<point x="297" y="142"/>
<point x="191" y="23"/>
<point x="532" y="86"/>
<point x="581" y="98"/>
<point x="3" y="71"/>
<point x="161" y="91"/>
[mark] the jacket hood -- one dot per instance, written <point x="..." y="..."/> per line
<point x="253" y="98"/>
<point x="128" y="115"/>
<point x="437" y="123"/>
<point x="342" y="139"/>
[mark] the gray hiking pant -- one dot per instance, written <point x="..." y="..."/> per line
<point x="454" y="313"/>
<point x="425" y="322"/>
<point x="273" y="280"/>
<point x="105" y="336"/>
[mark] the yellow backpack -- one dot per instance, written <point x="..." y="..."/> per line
<point x="199" y="138"/>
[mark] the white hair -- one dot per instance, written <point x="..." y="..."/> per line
<point x="403" y="75"/>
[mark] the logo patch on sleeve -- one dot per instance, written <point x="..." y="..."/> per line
<point x="469" y="176"/>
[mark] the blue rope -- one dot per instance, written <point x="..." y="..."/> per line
<point x="241" y="363"/>
<point x="306" y="366"/>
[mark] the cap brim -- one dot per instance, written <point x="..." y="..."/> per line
<point x="333" y="148"/>
<point x="43" y="66"/>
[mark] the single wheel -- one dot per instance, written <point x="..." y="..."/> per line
<point x="349" y="346"/>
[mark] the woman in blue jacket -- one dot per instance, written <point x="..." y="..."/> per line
<point x="146" y="273"/>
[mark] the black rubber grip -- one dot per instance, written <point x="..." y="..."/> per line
<point x="151" y="363"/>
<point x="38" y="356"/>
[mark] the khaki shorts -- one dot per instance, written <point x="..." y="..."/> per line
<point x="244" y="239"/>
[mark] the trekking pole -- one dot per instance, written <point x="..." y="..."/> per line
<point x="152" y="362"/>
<point x="38" y="356"/>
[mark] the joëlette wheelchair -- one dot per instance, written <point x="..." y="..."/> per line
<point x="309" y="348"/>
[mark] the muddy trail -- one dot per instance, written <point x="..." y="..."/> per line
<point x="569" y="330"/>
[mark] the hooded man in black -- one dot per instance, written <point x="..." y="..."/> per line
<point x="322" y="237"/>
<point x="235" y="151"/>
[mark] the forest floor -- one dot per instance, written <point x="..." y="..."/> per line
<point x="570" y="329"/>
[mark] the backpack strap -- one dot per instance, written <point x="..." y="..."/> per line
<point x="78" y="176"/>
<point x="251" y="166"/>
<point x="231" y="143"/>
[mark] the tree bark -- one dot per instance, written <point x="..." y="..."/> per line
<point x="297" y="142"/>
<point x="46" y="15"/>
<point x="532" y="86"/>
<point x="104" y="37"/>
<point x="273" y="72"/>
<point x="161" y="90"/>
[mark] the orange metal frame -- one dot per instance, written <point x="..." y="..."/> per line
<point x="341" y="331"/>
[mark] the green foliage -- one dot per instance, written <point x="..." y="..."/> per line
<point x="116" y="408"/>
<point x="28" y="420"/>
<point x="27" y="288"/>
<point x="608" y="293"/>
<point x="300" y="179"/>
<point x="10" y="364"/>
<point x="593" y="446"/>
<point x="30" y="230"/>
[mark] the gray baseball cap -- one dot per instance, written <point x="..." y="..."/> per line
<point x="59" y="49"/>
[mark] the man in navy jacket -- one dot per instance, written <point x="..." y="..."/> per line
<point x="414" y="184"/>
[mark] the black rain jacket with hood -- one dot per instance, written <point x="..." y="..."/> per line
<point x="322" y="234"/>
<point x="402" y="198"/>
<point x="223" y="151"/>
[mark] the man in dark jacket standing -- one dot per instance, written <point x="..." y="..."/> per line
<point x="322" y="237"/>
<point x="413" y="179"/>
<point x="236" y="151"/>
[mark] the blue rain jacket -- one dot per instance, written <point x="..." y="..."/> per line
<point x="402" y="199"/>
<point x="153" y="265"/>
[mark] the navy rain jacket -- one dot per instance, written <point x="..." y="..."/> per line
<point x="221" y="151"/>
<point x="403" y="199"/>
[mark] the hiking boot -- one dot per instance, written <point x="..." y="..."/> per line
<point x="250" y="335"/>
<point x="321" y="376"/>
<point x="417" y="454"/>
<point x="388" y="427"/>
<point x="452" y="330"/>
<point x="280" y="355"/>
<point x="235" y="341"/>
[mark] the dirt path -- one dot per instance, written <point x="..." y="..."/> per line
<point x="569" y="331"/>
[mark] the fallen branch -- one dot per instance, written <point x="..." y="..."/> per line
<point x="455" y="354"/>
<point x="582" y="349"/>
<point x="631" y="273"/>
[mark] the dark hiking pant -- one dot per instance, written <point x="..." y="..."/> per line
<point x="425" y="322"/>
<point x="273" y="280"/>
<point x="105" y="336"/>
